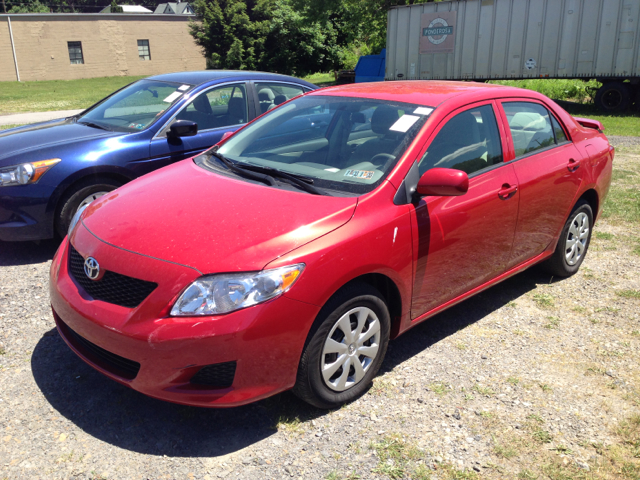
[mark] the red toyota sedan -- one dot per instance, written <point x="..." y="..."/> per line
<point x="287" y="256"/>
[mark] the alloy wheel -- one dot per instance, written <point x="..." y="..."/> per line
<point x="577" y="238"/>
<point x="350" y="349"/>
<point x="90" y="199"/>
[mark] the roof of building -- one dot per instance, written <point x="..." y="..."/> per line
<point x="128" y="9"/>
<point x="172" y="8"/>
<point x="203" y="76"/>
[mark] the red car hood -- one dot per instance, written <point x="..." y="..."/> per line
<point x="187" y="215"/>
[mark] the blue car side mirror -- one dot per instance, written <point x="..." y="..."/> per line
<point x="183" y="128"/>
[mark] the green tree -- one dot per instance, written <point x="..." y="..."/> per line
<point x="28" y="6"/>
<point x="227" y="34"/>
<point x="362" y="23"/>
<point x="293" y="45"/>
<point x="115" y="8"/>
<point x="267" y="35"/>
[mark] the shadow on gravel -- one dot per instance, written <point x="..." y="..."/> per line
<point x="24" y="253"/>
<point x="127" y="419"/>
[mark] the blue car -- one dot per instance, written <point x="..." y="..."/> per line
<point x="49" y="170"/>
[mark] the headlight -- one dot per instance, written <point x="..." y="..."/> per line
<point x="76" y="218"/>
<point x="217" y="294"/>
<point x="25" y="173"/>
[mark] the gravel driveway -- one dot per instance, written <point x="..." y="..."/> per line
<point x="534" y="378"/>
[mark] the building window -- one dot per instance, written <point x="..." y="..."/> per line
<point x="75" y="52"/>
<point x="143" y="50"/>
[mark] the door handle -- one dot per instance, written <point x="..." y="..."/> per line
<point x="572" y="166"/>
<point x="507" y="191"/>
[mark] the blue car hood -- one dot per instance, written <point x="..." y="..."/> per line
<point x="31" y="138"/>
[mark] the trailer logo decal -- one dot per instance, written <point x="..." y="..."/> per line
<point x="442" y="30"/>
<point x="437" y="32"/>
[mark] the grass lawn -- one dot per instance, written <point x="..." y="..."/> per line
<point x="18" y="97"/>
<point x="622" y="124"/>
<point x="321" y="79"/>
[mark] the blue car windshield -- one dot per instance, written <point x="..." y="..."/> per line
<point x="135" y="107"/>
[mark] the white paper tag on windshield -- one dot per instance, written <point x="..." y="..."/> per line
<point x="332" y="170"/>
<point x="182" y="88"/>
<point x="172" y="97"/>
<point x="423" y="110"/>
<point x="404" y="123"/>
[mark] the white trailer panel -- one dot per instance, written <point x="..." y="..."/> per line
<point x="511" y="39"/>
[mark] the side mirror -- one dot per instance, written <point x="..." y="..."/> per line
<point x="444" y="182"/>
<point x="182" y="128"/>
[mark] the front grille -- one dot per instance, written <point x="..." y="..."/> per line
<point x="112" y="287"/>
<point x="111" y="362"/>
<point x="218" y="375"/>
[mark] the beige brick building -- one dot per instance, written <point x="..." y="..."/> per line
<point x="59" y="46"/>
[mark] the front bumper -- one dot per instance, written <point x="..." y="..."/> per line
<point x="23" y="213"/>
<point x="265" y="341"/>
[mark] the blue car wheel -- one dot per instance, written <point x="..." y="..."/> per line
<point x="78" y="196"/>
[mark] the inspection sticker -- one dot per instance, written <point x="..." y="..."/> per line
<point x="172" y="97"/>
<point x="182" y="88"/>
<point x="404" y="123"/>
<point x="365" y="174"/>
<point x="423" y="110"/>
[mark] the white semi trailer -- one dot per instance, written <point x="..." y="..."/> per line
<point x="520" y="39"/>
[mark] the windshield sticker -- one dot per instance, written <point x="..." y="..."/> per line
<point x="365" y="174"/>
<point x="172" y="97"/>
<point x="423" y="110"/>
<point x="404" y="123"/>
<point x="139" y="126"/>
<point x="182" y="88"/>
<point x="332" y="170"/>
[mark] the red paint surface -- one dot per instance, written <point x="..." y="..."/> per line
<point x="180" y="222"/>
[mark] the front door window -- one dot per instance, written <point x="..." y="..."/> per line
<point x="216" y="108"/>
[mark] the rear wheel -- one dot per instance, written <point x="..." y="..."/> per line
<point x="613" y="97"/>
<point x="346" y="348"/>
<point x="573" y="243"/>
<point x="79" y="196"/>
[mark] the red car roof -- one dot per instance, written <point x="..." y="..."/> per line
<point x="422" y="92"/>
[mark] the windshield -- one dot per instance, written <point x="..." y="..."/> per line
<point x="135" y="107"/>
<point x="344" y="144"/>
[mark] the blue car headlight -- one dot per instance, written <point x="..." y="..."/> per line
<point x="25" y="173"/>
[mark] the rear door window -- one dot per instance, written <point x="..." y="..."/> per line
<point x="270" y="95"/>
<point x="530" y="127"/>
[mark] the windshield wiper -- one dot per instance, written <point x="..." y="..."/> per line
<point x="94" y="125"/>
<point x="243" y="172"/>
<point x="300" y="180"/>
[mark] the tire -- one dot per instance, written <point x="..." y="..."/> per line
<point x="636" y="98"/>
<point x="566" y="260"/>
<point x="78" y="195"/>
<point x="356" y="307"/>
<point x="613" y="97"/>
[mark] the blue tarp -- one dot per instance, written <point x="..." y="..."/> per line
<point x="370" y="68"/>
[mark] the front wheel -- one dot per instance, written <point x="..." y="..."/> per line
<point x="573" y="243"/>
<point x="79" y="196"/>
<point x="346" y="347"/>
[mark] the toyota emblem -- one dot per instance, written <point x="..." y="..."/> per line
<point x="91" y="268"/>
